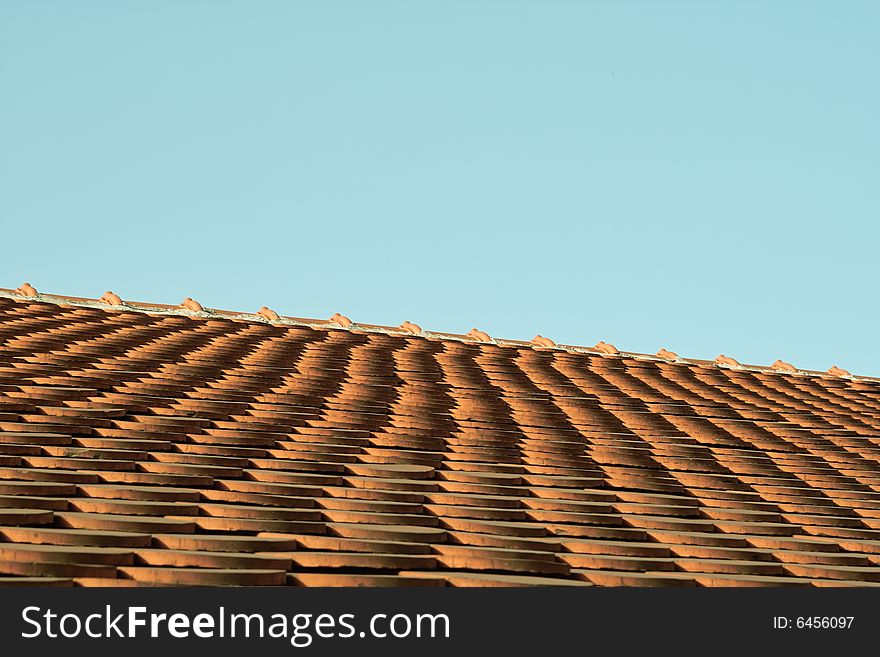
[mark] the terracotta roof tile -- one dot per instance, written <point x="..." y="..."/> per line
<point x="341" y="320"/>
<point x="192" y="305"/>
<point x="26" y="290"/>
<point x="111" y="299"/>
<point x="782" y="366"/>
<point x="268" y="314"/>
<point x="541" y="341"/>
<point x="479" y="336"/>
<point x="409" y="327"/>
<point x="144" y="446"/>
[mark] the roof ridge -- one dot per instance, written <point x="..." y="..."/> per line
<point x="191" y="308"/>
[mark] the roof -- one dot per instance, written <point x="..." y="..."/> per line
<point x="143" y="444"/>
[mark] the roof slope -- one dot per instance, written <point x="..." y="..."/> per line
<point x="168" y="448"/>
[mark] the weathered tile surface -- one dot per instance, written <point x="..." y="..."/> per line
<point x="186" y="447"/>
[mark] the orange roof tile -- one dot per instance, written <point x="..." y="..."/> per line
<point x="111" y="299"/>
<point x="268" y="314"/>
<point x="145" y="445"/>
<point x="409" y="327"/>
<point x="726" y="360"/>
<point x="541" y="341"/>
<point x="605" y="348"/>
<point x="479" y="336"/>
<point x="26" y="290"/>
<point x="192" y="304"/>
<point x="782" y="366"/>
<point x="341" y="320"/>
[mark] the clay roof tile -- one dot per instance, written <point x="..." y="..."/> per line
<point x="668" y="355"/>
<point x="782" y="366"/>
<point x="143" y="446"/>
<point x="192" y="305"/>
<point x="26" y="290"/>
<point x="409" y="327"/>
<point x="341" y="320"/>
<point x="605" y="348"/>
<point x="111" y="298"/>
<point x="479" y="336"/>
<point x="268" y="314"/>
<point x="541" y="341"/>
<point x="834" y="370"/>
<point x="727" y="360"/>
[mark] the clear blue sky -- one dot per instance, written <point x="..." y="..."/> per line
<point x="703" y="176"/>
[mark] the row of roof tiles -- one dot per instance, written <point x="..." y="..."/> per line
<point x="171" y="448"/>
<point x="191" y="305"/>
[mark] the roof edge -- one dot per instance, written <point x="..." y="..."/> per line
<point x="192" y="309"/>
